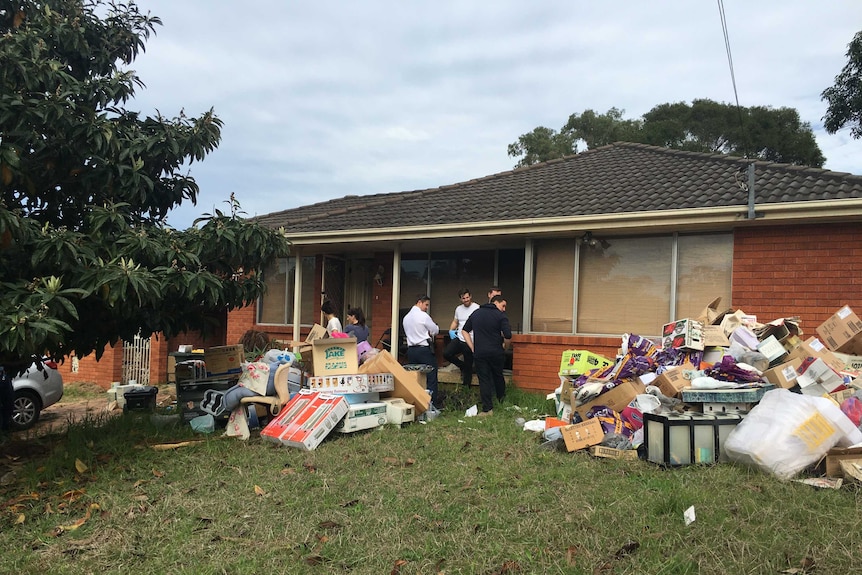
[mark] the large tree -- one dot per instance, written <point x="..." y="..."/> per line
<point x="844" y="98"/>
<point x="762" y="132"/>
<point x="86" y="257"/>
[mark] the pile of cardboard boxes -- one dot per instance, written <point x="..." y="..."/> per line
<point x="691" y="425"/>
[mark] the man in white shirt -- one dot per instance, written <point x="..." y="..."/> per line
<point x="420" y="330"/>
<point x="456" y="345"/>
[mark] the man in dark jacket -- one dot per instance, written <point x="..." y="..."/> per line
<point x="491" y="331"/>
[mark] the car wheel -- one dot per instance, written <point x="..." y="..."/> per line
<point x="25" y="411"/>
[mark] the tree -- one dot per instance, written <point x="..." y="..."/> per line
<point x="760" y="132"/>
<point x="86" y="257"/>
<point x="541" y="145"/>
<point x="845" y="96"/>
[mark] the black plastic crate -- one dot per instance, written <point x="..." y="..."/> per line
<point x="143" y="399"/>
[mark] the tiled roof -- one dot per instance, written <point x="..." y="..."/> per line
<point x="619" y="178"/>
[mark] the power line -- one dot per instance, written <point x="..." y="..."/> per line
<point x="730" y="64"/>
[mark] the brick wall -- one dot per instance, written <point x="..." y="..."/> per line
<point x="781" y="271"/>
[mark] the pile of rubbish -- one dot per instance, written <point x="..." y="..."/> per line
<point x="720" y="387"/>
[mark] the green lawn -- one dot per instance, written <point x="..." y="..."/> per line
<point x="456" y="495"/>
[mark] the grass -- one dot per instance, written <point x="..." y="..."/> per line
<point x="458" y="495"/>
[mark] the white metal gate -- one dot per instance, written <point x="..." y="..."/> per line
<point x="136" y="360"/>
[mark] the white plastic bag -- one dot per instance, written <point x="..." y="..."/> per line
<point x="786" y="432"/>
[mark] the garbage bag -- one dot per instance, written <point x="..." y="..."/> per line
<point x="786" y="432"/>
<point x="203" y="423"/>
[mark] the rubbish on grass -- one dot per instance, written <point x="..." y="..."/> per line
<point x="689" y="515"/>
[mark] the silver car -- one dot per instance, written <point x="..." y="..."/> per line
<point x="36" y="388"/>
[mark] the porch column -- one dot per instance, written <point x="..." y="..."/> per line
<point x="297" y="292"/>
<point x="395" y="337"/>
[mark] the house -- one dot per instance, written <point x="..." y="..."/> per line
<point x="619" y="239"/>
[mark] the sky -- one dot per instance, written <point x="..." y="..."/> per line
<point x="331" y="98"/>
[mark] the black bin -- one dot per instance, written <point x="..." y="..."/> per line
<point x="143" y="399"/>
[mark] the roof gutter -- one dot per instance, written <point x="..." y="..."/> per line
<point x="720" y="218"/>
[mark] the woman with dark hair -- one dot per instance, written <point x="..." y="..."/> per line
<point x="333" y="324"/>
<point x="356" y="324"/>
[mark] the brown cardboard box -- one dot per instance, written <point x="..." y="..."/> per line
<point x="714" y="336"/>
<point x="842" y="332"/>
<point x="852" y="363"/>
<point x="317" y="332"/>
<point x="673" y="380"/>
<point x="611" y="453"/>
<point x="617" y="398"/>
<point x="813" y="347"/>
<point x="335" y="356"/>
<point x="582" y="435"/>
<point x="407" y="385"/>
<point x="836" y="454"/>
<point x="224" y="359"/>
<point x="784" y="375"/>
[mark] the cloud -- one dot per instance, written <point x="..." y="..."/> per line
<point x="331" y="98"/>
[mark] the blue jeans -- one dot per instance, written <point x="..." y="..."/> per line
<point x="422" y="354"/>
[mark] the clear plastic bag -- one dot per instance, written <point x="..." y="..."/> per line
<point x="786" y="432"/>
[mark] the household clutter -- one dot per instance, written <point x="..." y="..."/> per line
<point x="329" y="384"/>
<point x="721" y="387"/>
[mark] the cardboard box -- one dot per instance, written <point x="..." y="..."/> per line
<point x="361" y="416"/>
<point x="771" y="348"/>
<point x="714" y="336"/>
<point x="407" y="385"/>
<point x="784" y="375"/>
<point x="306" y="419"/>
<point x="815" y="371"/>
<point x="673" y="380"/>
<point x="335" y="356"/>
<point x="611" y="453"/>
<point x="837" y="454"/>
<point x="616" y="398"/>
<point x="352" y="383"/>
<point x="224" y="359"/>
<point x="317" y="332"/>
<point x="581" y="361"/>
<point x="852" y="363"/>
<point x="813" y="347"/>
<point x="683" y="334"/>
<point x="842" y="332"/>
<point x="583" y="435"/>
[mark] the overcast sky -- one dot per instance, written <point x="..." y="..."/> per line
<point x="323" y="99"/>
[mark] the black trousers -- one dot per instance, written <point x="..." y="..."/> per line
<point x="455" y="348"/>
<point x="422" y="354"/>
<point x="7" y="399"/>
<point x="491" y="380"/>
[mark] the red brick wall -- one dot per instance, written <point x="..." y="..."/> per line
<point x="809" y="271"/>
<point x="782" y="271"/>
<point x="108" y="369"/>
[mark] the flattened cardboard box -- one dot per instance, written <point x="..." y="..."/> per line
<point x="616" y="398"/>
<point x="611" y="453"/>
<point x="837" y="454"/>
<point x="407" y="385"/>
<point x="582" y="435"/>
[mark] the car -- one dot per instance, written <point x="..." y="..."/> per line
<point x="37" y="387"/>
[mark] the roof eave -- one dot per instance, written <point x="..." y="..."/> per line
<point x="705" y="219"/>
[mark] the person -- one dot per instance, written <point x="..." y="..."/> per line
<point x="333" y="324"/>
<point x="492" y="291"/>
<point x="457" y="346"/>
<point x="420" y="330"/>
<point x="486" y="332"/>
<point x="356" y="324"/>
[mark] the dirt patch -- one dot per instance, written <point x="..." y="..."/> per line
<point x="57" y="417"/>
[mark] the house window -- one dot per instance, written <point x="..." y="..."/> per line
<point x="631" y="285"/>
<point x="276" y="305"/>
